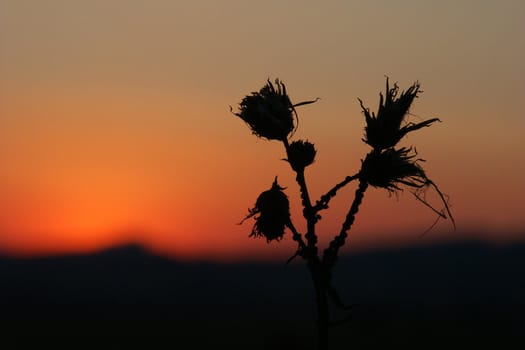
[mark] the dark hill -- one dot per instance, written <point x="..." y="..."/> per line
<point x="467" y="290"/>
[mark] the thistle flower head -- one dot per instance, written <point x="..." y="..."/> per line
<point x="269" y="112"/>
<point x="301" y="154"/>
<point x="390" y="168"/>
<point x="388" y="127"/>
<point x="271" y="213"/>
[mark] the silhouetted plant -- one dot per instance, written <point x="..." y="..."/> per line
<point x="270" y="114"/>
<point x="271" y="212"/>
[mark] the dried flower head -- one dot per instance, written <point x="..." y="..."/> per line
<point x="389" y="168"/>
<point x="269" y="112"/>
<point x="385" y="129"/>
<point x="271" y="213"/>
<point x="301" y="154"/>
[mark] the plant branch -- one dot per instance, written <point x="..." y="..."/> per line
<point x="330" y="253"/>
<point x="296" y="236"/>
<point x="308" y="212"/>
<point x="325" y="199"/>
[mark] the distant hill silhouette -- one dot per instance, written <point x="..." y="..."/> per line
<point x="464" y="289"/>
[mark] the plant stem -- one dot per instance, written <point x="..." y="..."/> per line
<point x="319" y="281"/>
<point x="308" y="211"/>
<point x="330" y="253"/>
<point x="325" y="199"/>
<point x="323" y="316"/>
<point x="296" y="236"/>
<point x="317" y="273"/>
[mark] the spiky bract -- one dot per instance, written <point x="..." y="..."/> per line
<point x="391" y="167"/>
<point x="269" y="112"/>
<point x="386" y="129"/>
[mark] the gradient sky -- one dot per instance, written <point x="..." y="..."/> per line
<point x="115" y="124"/>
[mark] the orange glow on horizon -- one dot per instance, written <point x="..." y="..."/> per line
<point x="115" y="124"/>
<point x="75" y="187"/>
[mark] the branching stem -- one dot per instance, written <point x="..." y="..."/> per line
<point x="325" y="199"/>
<point x="330" y="253"/>
<point x="308" y="212"/>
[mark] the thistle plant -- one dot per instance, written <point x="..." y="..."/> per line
<point x="270" y="114"/>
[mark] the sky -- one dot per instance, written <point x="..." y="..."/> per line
<point x="115" y="122"/>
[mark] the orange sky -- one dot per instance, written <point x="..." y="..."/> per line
<point x="115" y="123"/>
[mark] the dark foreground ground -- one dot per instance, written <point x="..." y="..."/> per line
<point x="423" y="297"/>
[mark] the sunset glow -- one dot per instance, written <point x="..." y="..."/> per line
<point x="115" y="125"/>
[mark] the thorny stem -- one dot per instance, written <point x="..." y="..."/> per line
<point x="325" y="199"/>
<point x="308" y="212"/>
<point x="296" y="236"/>
<point x="318" y="274"/>
<point x="330" y="253"/>
<point x="320" y="269"/>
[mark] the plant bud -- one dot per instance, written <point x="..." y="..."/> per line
<point x="301" y="154"/>
<point x="271" y="213"/>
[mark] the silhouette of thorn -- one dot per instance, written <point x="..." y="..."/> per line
<point x="306" y="102"/>
<point x="297" y="253"/>
<point x="440" y="214"/>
